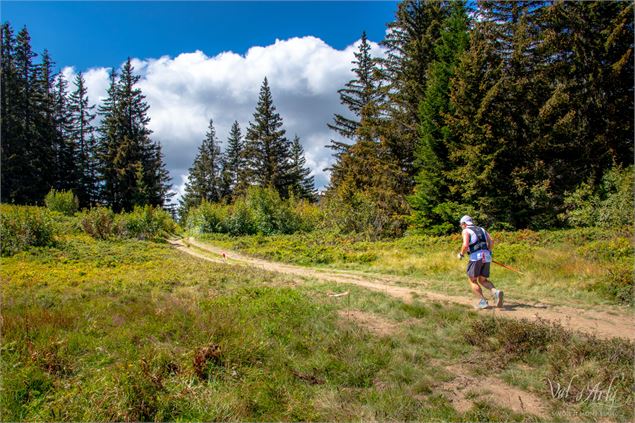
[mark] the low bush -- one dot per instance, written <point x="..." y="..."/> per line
<point x="64" y="202"/>
<point x="22" y="227"/>
<point x="145" y="222"/>
<point x="142" y="223"/>
<point x="99" y="222"/>
<point x="260" y="211"/>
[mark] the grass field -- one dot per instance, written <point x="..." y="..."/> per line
<point x="135" y="330"/>
<point x="584" y="267"/>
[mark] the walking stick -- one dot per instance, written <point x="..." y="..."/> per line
<point x="507" y="267"/>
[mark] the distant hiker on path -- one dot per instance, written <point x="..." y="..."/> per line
<point x="477" y="241"/>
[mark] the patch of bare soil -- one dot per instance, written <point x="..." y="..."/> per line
<point x="372" y="322"/>
<point x="599" y="323"/>
<point x="465" y="389"/>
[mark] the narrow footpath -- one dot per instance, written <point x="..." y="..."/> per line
<point x="602" y="324"/>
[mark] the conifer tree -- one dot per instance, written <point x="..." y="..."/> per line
<point x="82" y="137"/>
<point x="496" y="103"/>
<point x="362" y="96"/>
<point x="107" y="144"/>
<point x="233" y="164"/>
<point x="205" y="179"/>
<point x="356" y="95"/>
<point x="302" y="184"/>
<point x="131" y="164"/>
<point x="65" y="150"/>
<point x="32" y="136"/>
<point x="435" y="137"/>
<point x="409" y="44"/>
<point x="11" y="150"/>
<point x="266" y="147"/>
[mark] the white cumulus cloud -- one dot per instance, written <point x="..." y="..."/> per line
<point x="186" y="91"/>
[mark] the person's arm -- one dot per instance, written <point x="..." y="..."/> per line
<point x="466" y="243"/>
<point x="490" y="242"/>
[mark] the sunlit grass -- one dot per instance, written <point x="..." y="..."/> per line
<point x="580" y="266"/>
<point x="134" y="330"/>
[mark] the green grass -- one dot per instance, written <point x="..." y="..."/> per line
<point x="134" y="330"/>
<point x="583" y="267"/>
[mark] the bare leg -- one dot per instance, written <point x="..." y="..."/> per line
<point x="476" y="289"/>
<point x="486" y="284"/>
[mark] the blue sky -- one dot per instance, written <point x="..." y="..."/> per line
<point x="92" y="34"/>
<point x="207" y="60"/>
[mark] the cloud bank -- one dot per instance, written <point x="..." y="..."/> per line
<point x="186" y="91"/>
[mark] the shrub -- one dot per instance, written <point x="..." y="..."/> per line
<point x="99" y="222"/>
<point x="607" y="205"/>
<point x="22" y="227"/>
<point x="207" y="218"/>
<point x="260" y="211"/>
<point x="373" y="214"/>
<point x="145" y="222"/>
<point x="62" y="201"/>
<point x="240" y="220"/>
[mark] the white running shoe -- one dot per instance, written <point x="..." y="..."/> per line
<point x="482" y="304"/>
<point x="498" y="298"/>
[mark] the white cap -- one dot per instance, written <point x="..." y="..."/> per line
<point x="467" y="220"/>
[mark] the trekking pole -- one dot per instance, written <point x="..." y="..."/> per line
<point x="507" y="267"/>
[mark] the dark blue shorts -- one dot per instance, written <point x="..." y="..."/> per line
<point x="477" y="268"/>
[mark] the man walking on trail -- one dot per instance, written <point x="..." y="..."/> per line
<point x="477" y="241"/>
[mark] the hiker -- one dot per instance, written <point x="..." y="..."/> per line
<point x="477" y="241"/>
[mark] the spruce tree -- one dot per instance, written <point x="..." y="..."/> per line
<point x="233" y="164"/>
<point x="67" y="171"/>
<point x="361" y="96"/>
<point x="496" y="101"/>
<point x="302" y="184"/>
<point x="11" y="151"/>
<point x="409" y="44"/>
<point x="131" y="163"/>
<point x="205" y="179"/>
<point x="34" y="151"/>
<point x="266" y="147"/>
<point x="435" y="137"/>
<point x="82" y="137"/>
<point x="107" y="144"/>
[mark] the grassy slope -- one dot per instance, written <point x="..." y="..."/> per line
<point x="582" y="266"/>
<point x="131" y="330"/>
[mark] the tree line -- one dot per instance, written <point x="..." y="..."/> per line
<point x="265" y="157"/>
<point x="500" y="109"/>
<point x="49" y="138"/>
<point x="50" y="141"/>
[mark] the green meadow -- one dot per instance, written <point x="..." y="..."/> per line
<point x="133" y="330"/>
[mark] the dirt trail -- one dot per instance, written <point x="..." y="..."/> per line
<point x="599" y="323"/>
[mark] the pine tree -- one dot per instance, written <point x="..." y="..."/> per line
<point x="205" y="179"/>
<point x="266" y="147"/>
<point x="432" y="150"/>
<point x="302" y="184"/>
<point x="233" y="164"/>
<point x="82" y="137"/>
